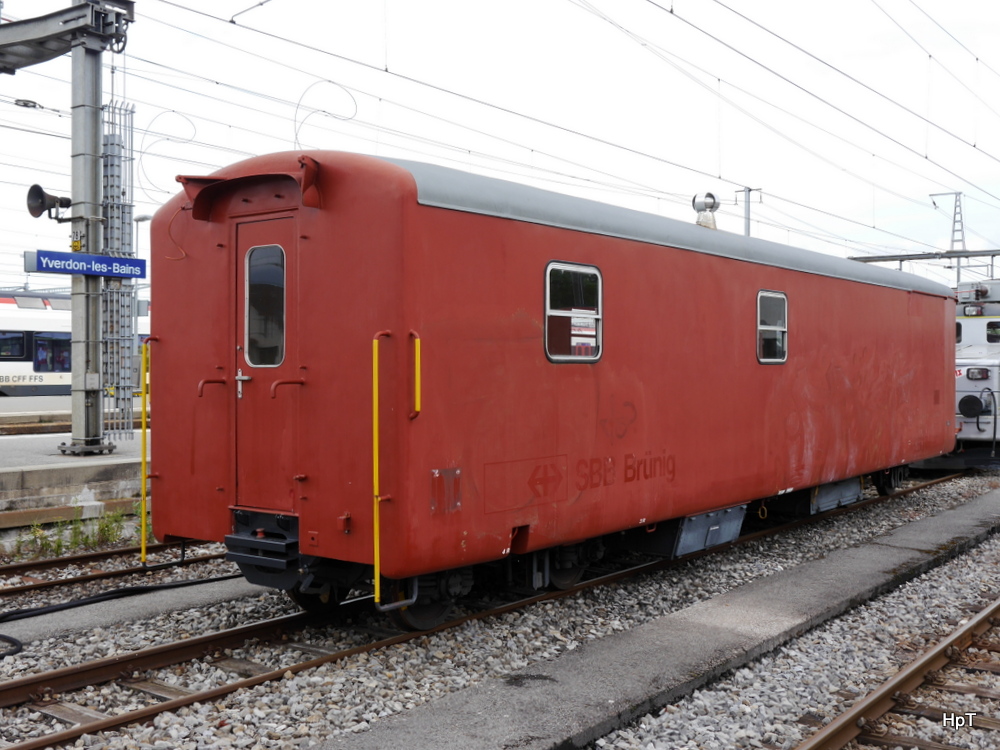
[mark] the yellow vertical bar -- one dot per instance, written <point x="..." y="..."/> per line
<point x="375" y="483"/>
<point x="143" y="467"/>
<point x="416" y="377"/>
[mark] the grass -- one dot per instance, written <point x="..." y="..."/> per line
<point x="64" y="537"/>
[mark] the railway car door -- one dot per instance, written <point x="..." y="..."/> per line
<point x="269" y="383"/>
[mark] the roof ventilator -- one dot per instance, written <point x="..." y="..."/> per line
<point x="705" y="204"/>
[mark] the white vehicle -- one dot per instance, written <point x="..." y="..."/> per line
<point x="977" y="375"/>
<point x="35" y="338"/>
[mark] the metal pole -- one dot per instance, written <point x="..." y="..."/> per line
<point x="746" y="211"/>
<point x="86" y="237"/>
<point x="143" y="467"/>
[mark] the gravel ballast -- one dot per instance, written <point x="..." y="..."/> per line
<point x="820" y="674"/>
<point x="351" y="696"/>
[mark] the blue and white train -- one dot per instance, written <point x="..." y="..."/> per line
<point x="35" y="338"/>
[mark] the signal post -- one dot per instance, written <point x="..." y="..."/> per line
<point x="88" y="427"/>
<point x="85" y="30"/>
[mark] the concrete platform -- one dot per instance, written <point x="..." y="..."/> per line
<point x="579" y="697"/>
<point x="40" y="414"/>
<point x="27" y="452"/>
<point x="20" y="405"/>
<point x="39" y="484"/>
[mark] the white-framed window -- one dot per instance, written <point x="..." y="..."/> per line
<point x="265" y="306"/>
<point x="772" y="327"/>
<point x="573" y="312"/>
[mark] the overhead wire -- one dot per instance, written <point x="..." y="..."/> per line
<point x="955" y="39"/>
<point x="619" y="184"/>
<point x="433" y="86"/>
<point x="859" y="246"/>
<point x="643" y="189"/>
<point x="412" y="79"/>
<point x="855" y="80"/>
<point x="854" y="118"/>
<point x="850" y="221"/>
<point x="937" y="61"/>
<point x="481" y="102"/>
<point x="950" y="215"/>
<point x="444" y="90"/>
<point x="665" y="56"/>
<point x="670" y="59"/>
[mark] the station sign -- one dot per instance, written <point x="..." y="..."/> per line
<point x="47" y="261"/>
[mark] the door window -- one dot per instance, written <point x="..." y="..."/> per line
<point x="265" y="307"/>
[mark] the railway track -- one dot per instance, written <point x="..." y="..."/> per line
<point x="29" y="576"/>
<point x="137" y="674"/>
<point x="925" y="689"/>
<point x="45" y="693"/>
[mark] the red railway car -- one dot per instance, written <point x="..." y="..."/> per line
<point x="386" y="372"/>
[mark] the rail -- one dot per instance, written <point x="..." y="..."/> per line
<point x="377" y="495"/>
<point x="144" y="446"/>
<point x="416" y="375"/>
<point x="376" y="448"/>
<point x="20" y="690"/>
<point x="143" y="569"/>
<point x="853" y="723"/>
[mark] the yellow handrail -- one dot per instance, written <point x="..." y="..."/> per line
<point x="416" y="375"/>
<point x="375" y="467"/>
<point x="143" y="466"/>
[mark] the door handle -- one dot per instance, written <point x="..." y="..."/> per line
<point x="240" y="380"/>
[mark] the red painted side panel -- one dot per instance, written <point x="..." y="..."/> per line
<point x="677" y="418"/>
<point x="511" y="451"/>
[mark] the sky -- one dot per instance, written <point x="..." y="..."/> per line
<point x="842" y="118"/>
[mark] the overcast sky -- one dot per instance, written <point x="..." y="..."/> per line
<point x="842" y="116"/>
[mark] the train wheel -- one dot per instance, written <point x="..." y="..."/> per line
<point x="890" y="480"/>
<point x="326" y="603"/>
<point x="422" y="615"/>
<point x="566" y="578"/>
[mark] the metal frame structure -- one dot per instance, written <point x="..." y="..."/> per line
<point x="85" y="30"/>
<point x="119" y="297"/>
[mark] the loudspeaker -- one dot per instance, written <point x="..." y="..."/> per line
<point x="39" y="201"/>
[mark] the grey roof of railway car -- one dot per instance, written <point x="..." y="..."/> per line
<point x="442" y="187"/>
